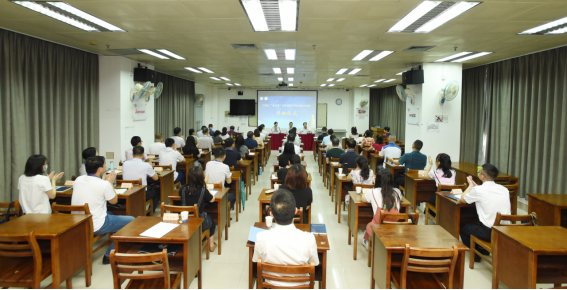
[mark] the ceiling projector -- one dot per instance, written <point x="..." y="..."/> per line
<point x="282" y="85"/>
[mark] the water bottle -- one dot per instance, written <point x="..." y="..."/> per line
<point x="111" y="165"/>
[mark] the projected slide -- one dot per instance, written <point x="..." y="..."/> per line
<point x="287" y="106"/>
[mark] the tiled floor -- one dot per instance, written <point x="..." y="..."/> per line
<point x="230" y="270"/>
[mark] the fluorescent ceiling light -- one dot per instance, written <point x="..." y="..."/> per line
<point x="414" y="15"/>
<point x="548" y="26"/>
<point x="255" y="14"/>
<point x="237" y="84"/>
<point x="290" y="84"/>
<point x="165" y="51"/>
<point x="271" y="54"/>
<point x="380" y="80"/>
<point x="446" y="15"/>
<point x="194" y="70"/>
<point x="453" y="56"/>
<point x="342" y="71"/>
<point x="363" y="85"/>
<point x="228" y="84"/>
<point x="216" y="79"/>
<point x="331" y="79"/>
<point x="399" y="74"/>
<point x="558" y="31"/>
<point x="277" y="70"/>
<point x="280" y="79"/>
<point x="331" y="85"/>
<point x="53" y="14"/>
<point x="381" y="55"/>
<point x="288" y="15"/>
<point x="290" y="70"/>
<point x="290" y="54"/>
<point x="226" y="79"/>
<point x="68" y="8"/>
<point x="362" y="55"/>
<point x="471" y="56"/>
<point x="371" y="86"/>
<point x="340" y="80"/>
<point x="290" y="79"/>
<point x="323" y="85"/>
<point x="153" y="53"/>
<point x="390" y="80"/>
<point x="354" y="71"/>
<point x="206" y="70"/>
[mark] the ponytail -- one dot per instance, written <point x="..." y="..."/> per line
<point x="387" y="189"/>
<point x="445" y="164"/>
<point x="362" y="163"/>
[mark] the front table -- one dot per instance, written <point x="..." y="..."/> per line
<point x="307" y="140"/>
<point x="276" y="139"/>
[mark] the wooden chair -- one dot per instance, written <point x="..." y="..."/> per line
<point x="393" y="219"/>
<point x="194" y="213"/>
<point x="299" y="270"/>
<point x="298" y="217"/>
<point x="149" y="205"/>
<point x="73" y="177"/>
<point x="502" y="180"/>
<point x="15" y="210"/>
<point x="420" y="266"/>
<point x="525" y="220"/>
<point x="432" y="208"/>
<point x="513" y="190"/>
<point x="29" y="267"/>
<point x="124" y="265"/>
<point x="403" y="188"/>
<point x="58" y="208"/>
<point x="176" y="188"/>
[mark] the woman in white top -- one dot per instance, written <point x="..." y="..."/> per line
<point x="89" y="152"/>
<point x="361" y="175"/>
<point x="276" y="129"/>
<point x="442" y="175"/>
<point x="224" y="135"/>
<point x="353" y="133"/>
<point x="383" y="197"/>
<point x="35" y="188"/>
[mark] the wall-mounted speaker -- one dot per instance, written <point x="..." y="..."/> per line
<point x="240" y="93"/>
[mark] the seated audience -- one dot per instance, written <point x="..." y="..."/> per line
<point x="414" y="160"/>
<point x="259" y="139"/>
<point x="250" y="142"/>
<point x="216" y="171"/>
<point x="361" y="175"/>
<point x="323" y="134"/>
<point x="224" y="135"/>
<point x="170" y="156"/>
<point x="390" y="151"/>
<point x="137" y="169"/>
<point x="379" y="144"/>
<point x="262" y="135"/>
<point x="288" y="151"/>
<point x="442" y="175"/>
<point x="89" y="152"/>
<point x="211" y="128"/>
<point x="284" y="244"/>
<point x="296" y="182"/>
<point x="232" y="133"/>
<point x="305" y="129"/>
<point x="96" y="192"/>
<point x="366" y="140"/>
<point x="179" y="141"/>
<point x="386" y="132"/>
<point x="157" y="146"/>
<point x="335" y="152"/>
<point x="217" y="137"/>
<point x="135" y="141"/>
<point x="489" y="198"/>
<point x="200" y="132"/>
<point x="232" y="157"/>
<point x="240" y="146"/>
<point x="327" y="139"/>
<point x="192" y="134"/>
<point x="349" y="157"/>
<point x="282" y="173"/>
<point x="286" y="131"/>
<point x="291" y="139"/>
<point x="191" y="148"/>
<point x="276" y="129"/>
<point x="383" y="198"/>
<point x="35" y="188"/>
<point x="353" y="133"/>
<point x="196" y="191"/>
<point x="205" y="141"/>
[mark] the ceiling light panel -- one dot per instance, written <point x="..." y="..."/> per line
<point x="167" y="52"/>
<point x="70" y="15"/>
<point x="206" y="70"/>
<point x="340" y="80"/>
<point x="237" y="84"/>
<point x="372" y="55"/>
<point x="363" y="85"/>
<point x="371" y="86"/>
<point x="331" y="79"/>
<point x="453" y="56"/>
<point x="350" y="71"/>
<point x="290" y="70"/>
<point x="194" y="70"/>
<point x="272" y="15"/>
<point x="354" y="71"/>
<point x="216" y="79"/>
<point x="342" y="71"/>
<point x="200" y="70"/>
<point x="280" y="79"/>
<point x="429" y="15"/>
<point x="380" y="80"/>
<point x="277" y="70"/>
<point x="290" y="79"/>
<point x="400" y="73"/>
<point x="290" y="84"/>
<point x="323" y="85"/>
<point x="226" y="79"/>
<point x="280" y="54"/>
<point x="228" y="84"/>
<point x="549" y="28"/>
<point x="153" y="53"/>
<point x="390" y="80"/>
<point x="471" y="56"/>
<point x="331" y="85"/>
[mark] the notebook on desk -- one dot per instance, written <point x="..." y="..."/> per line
<point x="456" y="197"/>
<point x="62" y="188"/>
<point x="253" y="232"/>
<point x="318" y="228"/>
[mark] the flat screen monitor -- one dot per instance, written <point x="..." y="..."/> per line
<point x="240" y="107"/>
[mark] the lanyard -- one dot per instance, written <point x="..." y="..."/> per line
<point x="93" y="175"/>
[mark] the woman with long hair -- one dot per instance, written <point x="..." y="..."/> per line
<point x="379" y="143"/>
<point x="367" y="140"/>
<point x="442" y="175"/>
<point x="224" y="134"/>
<point x="195" y="192"/>
<point x="289" y="150"/>
<point x="35" y="187"/>
<point x="191" y="148"/>
<point x="353" y="133"/>
<point x="362" y="174"/>
<point x="384" y="197"/>
<point x="240" y="146"/>
<point x="296" y="182"/>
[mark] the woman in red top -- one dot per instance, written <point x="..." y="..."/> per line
<point x="379" y="143"/>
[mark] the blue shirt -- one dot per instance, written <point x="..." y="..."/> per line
<point x="392" y="144"/>
<point x="251" y="143"/>
<point x="326" y="140"/>
<point x="414" y="160"/>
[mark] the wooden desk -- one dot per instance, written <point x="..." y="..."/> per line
<point x="236" y="176"/>
<point x="451" y="214"/>
<point x="264" y="201"/>
<point x="519" y="252"/>
<point x="277" y="165"/>
<point x="367" y="152"/>
<point x="254" y="158"/>
<point x="67" y="237"/>
<point x="166" y="179"/>
<point x="389" y="245"/>
<point x="246" y="165"/>
<point x="320" y="161"/>
<point x="322" y="248"/>
<point x="217" y="210"/>
<point x="185" y="165"/>
<point x="375" y="161"/>
<point x="135" y="201"/>
<point x="396" y="169"/>
<point x="206" y="155"/>
<point x="360" y="214"/>
<point x="189" y="234"/>
<point x="334" y="166"/>
<point x="551" y="209"/>
<point x="377" y="131"/>
<point x="464" y="169"/>
<point x="339" y="191"/>
<point x="419" y="188"/>
<point x="274" y="179"/>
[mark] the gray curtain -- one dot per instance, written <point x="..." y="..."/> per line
<point x="386" y="109"/>
<point x="48" y="105"/>
<point x="527" y="100"/>
<point x="176" y="106"/>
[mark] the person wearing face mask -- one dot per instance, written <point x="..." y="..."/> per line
<point x="35" y="188"/>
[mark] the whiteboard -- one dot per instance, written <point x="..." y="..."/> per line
<point x="321" y="115"/>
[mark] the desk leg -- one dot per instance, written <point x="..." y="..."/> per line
<point x="250" y="268"/>
<point x="238" y="207"/>
<point x="355" y="229"/>
<point x="323" y="284"/>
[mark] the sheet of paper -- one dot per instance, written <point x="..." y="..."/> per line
<point x="457" y="195"/>
<point x="159" y="230"/>
<point x="213" y="192"/>
<point x="252" y="153"/>
<point x="120" y="190"/>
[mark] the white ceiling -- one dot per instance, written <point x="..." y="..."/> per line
<point x="330" y="33"/>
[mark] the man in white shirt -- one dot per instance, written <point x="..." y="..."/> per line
<point x="276" y="129"/>
<point x="200" y="132"/>
<point x="327" y="138"/>
<point x="205" y="141"/>
<point x="179" y="141"/>
<point x="217" y="172"/>
<point x="89" y="152"/>
<point x="489" y="198"/>
<point x="157" y="146"/>
<point x="96" y="192"/>
<point x="135" y="141"/>
<point x="170" y="156"/>
<point x="137" y="169"/>
<point x="391" y="150"/>
<point x="305" y="129"/>
<point x="284" y="244"/>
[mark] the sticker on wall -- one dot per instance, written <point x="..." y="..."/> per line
<point x="361" y="112"/>
<point x="432" y="128"/>
<point x="441" y="118"/>
<point x="139" y="111"/>
<point x="412" y="116"/>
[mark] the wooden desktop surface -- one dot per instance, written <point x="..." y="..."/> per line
<point x="551" y="209"/>
<point x="419" y="188"/>
<point x="465" y="169"/>
<point x="247" y="166"/>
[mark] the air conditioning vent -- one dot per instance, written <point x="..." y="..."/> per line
<point x="266" y="74"/>
<point x="244" y="46"/>
<point x="419" y="48"/>
<point x="362" y="76"/>
<point x="128" y="51"/>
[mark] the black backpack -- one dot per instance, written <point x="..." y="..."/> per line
<point x="4" y="218"/>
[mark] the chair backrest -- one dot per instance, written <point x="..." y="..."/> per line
<point x="23" y="246"/>
<point x="216" y="185"/>
<point x="400" y="218"/>
<point x="15" y="210"/>
<point x="176" y="188"/>
<point x="134" y="182"/>
<point x="442" y="187"/>
<point x="335" y="159"/>
<point x="512" y="189"/>
<point x="58" y="208"/>
<point x="193" y="209"/>
<point x="362" y="185"/>
<point x="165" y="167"/>
<point x="435" y="261"/>
<point x="125" y="266"/>
<point x="525" y="220"/>
<point x="502" y="180"/>
<point x="299" y="270"/>
<point x="298" y="218"/>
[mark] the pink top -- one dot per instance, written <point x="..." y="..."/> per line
<point x="437" y="175"/>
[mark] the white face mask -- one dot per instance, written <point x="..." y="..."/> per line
<point x="44" y="170"/>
